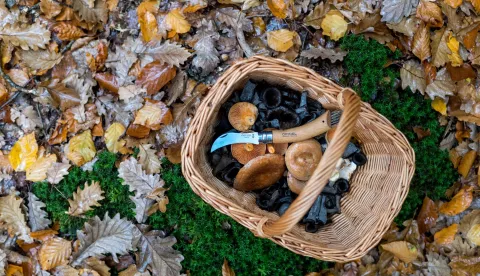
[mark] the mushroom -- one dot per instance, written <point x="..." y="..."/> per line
<point x="294" y="184"/>
<point x="246" y="152"/>
<point x="286" y="117"/>
<point x="260" y="172"/>
<point x="272" y="97"/>
<point x="277" y="148"/>
<point x="302" y="158"/>
<point x="242" y="116"/>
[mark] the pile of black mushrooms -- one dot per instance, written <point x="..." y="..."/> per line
<point x="271" y="171"/>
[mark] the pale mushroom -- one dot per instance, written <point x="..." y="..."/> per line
<point x="246" y="152"/>
<point x="260" y="172"/>
<point x="302" y="158"/>
<point x="277" y="148"/>
<point x="242" y="116"/>
<point x="294" y="184"/>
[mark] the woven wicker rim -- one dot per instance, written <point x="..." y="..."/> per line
<point x="281" y="230"/>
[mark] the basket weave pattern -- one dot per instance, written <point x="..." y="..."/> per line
<point x="378" y="188"/>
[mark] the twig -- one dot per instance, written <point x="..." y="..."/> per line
<point x="11" y="99"/>
<point x="13" y="84"/>
<point x="41" y="119"/>
<point x="67" y="47"/>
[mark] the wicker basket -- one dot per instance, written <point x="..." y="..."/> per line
<point x="378" y="188"/>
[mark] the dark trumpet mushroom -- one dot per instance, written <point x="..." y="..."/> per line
<point x="329" y="190"/>
<point x="274" y="124"/>
<point x="359" y="158"/>
<point x="248" y="92"/>
<point x="271" y="198"/>
<point x="230" y="172"/>
<point x="285" y="116"/>
<point x="350" y="150"/>
<point x="342" y="185"/>
<point x="292" y="96"/>
<point x="302" y="112"/>
<point x="303" y="99"/>
<point x="311" y="227"/>
<point x="317" y="215"/>
<point x="332" y="204"/>
<point x="224" y="161"/>
<point x="272" y="97"/>
<point x="268" y="201"/>
<point x="283" y="208"/>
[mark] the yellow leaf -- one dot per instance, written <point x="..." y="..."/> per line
<point x="80" y="149"/>
<point x="154" y="115"/>
<point x="278" y="8"/>
<point x="475" y="4"/>
<point x="403" y="250"/>
<point x="84" y="200"/>
<point x="459" y="203"/>
<point x="334" y="25"/>
<point x="38" y="170"/>
<point x="453" y="3"/>
<point x="454" y="46"/>
<point x="23" y="153"/>
<point x="147" y="6"/>
<point x="192" y="8"/>
<point x="280" y="40"/>
<point x="14" y="270"/>
<point x="315" y="17"/>
<point x="474" y="235"/>
<point x="54" y="252"/>
<point x="113" y="133"/>
<point x="466" y="163"/>
<point x="148" y="27"/>
<point x="439" y="105"/>
<point x="446" y="235"/>
<point x="177" y="22"/>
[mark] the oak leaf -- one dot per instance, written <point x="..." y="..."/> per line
<point x="67" y="31"/>
<point x="421" y="42"/>
<point x="234" y="18"/>
<point x="84" y="200"/>
<point x="148" y="159"/>
<point x="413" y="76"/>
<point x="112" y="138"/>
<point x="11" y="214"/>
<point x="280" y="40"/>
<point x="446" y="235"/>
<point x="97" y="13"/>
<point x="142" y="206"/>
<point x="177" y="22"/>
<point x="315" y="17"/>
<point x="32" y="36"/>
<point x="40" y="60"/>
<point x="154" y="115"/>
<point x="56" y="172"/>
<point x="324" y="53"/>
<point x="278" y="8"/>
<point x="393" y="11"/>
<point x="407" y="26"/>
<point x="334" y="25"/>
<point x="23" y="153"/>
<point x="206" y="56"/>
<point x="130" y="91"/>
<point x="437" y="265"/>
<point x="170" y="53"/>
<point x="440" y="50"/>
<point x="110" y="235"/>
<point x="442" y="86"/>
<point x="403" y="250"/>
<point x="133" y="271"/>
<point x="430" y="13"/>
<point x="97" y="265"/>
<point x="226" y="269"/>
<point x="135" y="177"/>
<point x="454" y="47"/>
<point x="155" y="75"/>
<point x="80" y="148"/>
<point x="459" y="203"/>
<point x="37" y="218"/>
<point x="54" y="252"/>
<point x="38" y="170"/>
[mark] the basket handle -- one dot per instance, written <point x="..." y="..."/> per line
<point x="322" y="173"/>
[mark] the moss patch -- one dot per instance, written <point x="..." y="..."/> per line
<point x="434" y="171"/>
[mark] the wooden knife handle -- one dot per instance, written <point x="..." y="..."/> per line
<point x="301" y="133"/>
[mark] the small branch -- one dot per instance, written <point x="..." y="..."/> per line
<point x="11" y="99"/>
<point x="243" y="44"/>
<point x="67" y="47"/>
<point x="13" y="84"/>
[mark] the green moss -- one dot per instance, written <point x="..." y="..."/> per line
<point x="205" y="243"/>
<point x="104" y="171"/>
<point x="434" y="172"/>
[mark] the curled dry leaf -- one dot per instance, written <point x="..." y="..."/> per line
<point x="467" y="162"/>
<point x="430" y="13"/>
<point x="427" y="216"/>
<point x="226" y="269"/>
<point x="403" y="250"/>
<point x="315" y="17"/>
<point x="38" y="170"/>
<point x="54" y="252"/>
<point x="459" y="203"/>
<point x="67" y="31"/>
<point x="28" y="36"/>
<point x="84" y="200"/>
<point x="80" y="148"/>
<point x="278" y="8"/>
<point x="148" y="159"/>
<point x="37" y="218"/>
<point x="112" y="136"/>
<point x="23" y="153"/>
<point x="155" y="75"/>
<point x="177" y="22"/>
<point x="334" y="25"/>
<point x="11" y="214"/>
<point x="446" y="235"/>
<point x="421" y="42"/>
<point x="154" y="115"/>
<point x="280" y="40"/>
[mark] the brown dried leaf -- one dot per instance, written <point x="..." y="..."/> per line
<point x="155" y="75"/>
<point x="97" y="265"/>
<point x="50" y="8"/>
<point x="226" y="269"/>
<point x="430" y="13"/>
<point x="468" y="266"/>
<point x="475" y="4"/>
<point x="467" y="162"/>
<point x="421" y="42"/>
<point x="11" y="214"/>
<point x="148" y="27"/>
<point x="462" y="72"/>
<point x="459" y="203"/>
<point x="56" y="172"/>
<point x="99" y="13"/>
<point x="149" y="159"/>
<point x="38" y="170"/>
<point x="315" y="17"/>
<point x="138" y="131"/>
<point x="63" y="96"/>
<point x="177" y="22"/>
<point x="107" y="81"/>
<point x="280" y="40"/>
<point x="67" y="31"/>
<point x="442" y="86"/>
<point x="413" y="76"/>
<point x="154" y="115"/>
<point x="32" y="36"/>
<point x="54" y="252"/>
<point x="84" y="200"/>
<point x="427" y="216"/>
<point x="446" y="235"/>
<point x="421" y="132"/>
<point x="40" y="60"/>
<point x="112" y="138"/>
<point x="332" y="54"/>
<point x="440" y="49"/>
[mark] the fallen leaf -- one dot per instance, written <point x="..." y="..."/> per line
<point x="54" y="252"/>
<point x="177" y="22"/>
<point x="440" y="50"/>
<point x="112" y="136"/>
<point x="430" y="13"/>
<point x="133" y="271"/>
<point x="467" y="162"/>
<point x="470" y="38"/>
<point x="463" y="265"/>
<point x="130" y="91"/>
<point x="226" y="269"/>
<point x="84" y="200"/>
<point x="98" y="239"/>
<point x="333" y="25"/>
<point x="393" y="11"/>
<point x="473" y="235"/>
<point x="107" y="81"/>
<point x="453" y="3"/>
<point x="421" y="42"/>
<point x="62" y="96"/>
<point x="81" y="149"/>
<point x="23" y="153"/>
<point x="50" y="8"/>
<point x="446" y="235"/>
<point x="18" y="76"/>
<point x="468" y="221"/>
<point x="174" y="154"/>
<point x="459" y="203"/>
<point x="168" y="52"/>
<point x="315" y="17"/>
<point x="138" y="131"/>
<point x="40" y="60"/>
<point x="442" y="86"/>
<point x="454" y="47"/>
<point x="427" y="216"/>
<point x="37" y="218"/>
<point x="148" y="27"/>
<point x="38" y="170"/>
<point x="280" y="40"/>
<point x="475" y="4"/>
<point x="136" y="178"/>
<point x="464" y="71"/>
<point x="67" y="31"/>
<point x="403" y="250"/>
<point x="154" y="115"/>
<point x="28" y="36"/>
<point x="439" y="105"/>
<point x="148" y="159"/>
<point x="320" y="52"/>
<point x="413" y="76"/>
<point x="142" y="205"/>
<point x="14" y="270"/>
<point x="11" y="214"/>
<point x="97" y="13"/>
<point x="278" y="8"/>
<point x="155" y="75"/>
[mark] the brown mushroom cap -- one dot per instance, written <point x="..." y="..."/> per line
<point x="242" y="116"/>
<point x="302" y="158"/>
<point x="246" y="152"/>
<point x="260" y="172"/>
<point x="277" y="148"/>
<point x="294" y="184"/>
<point x="330" y="133"/>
